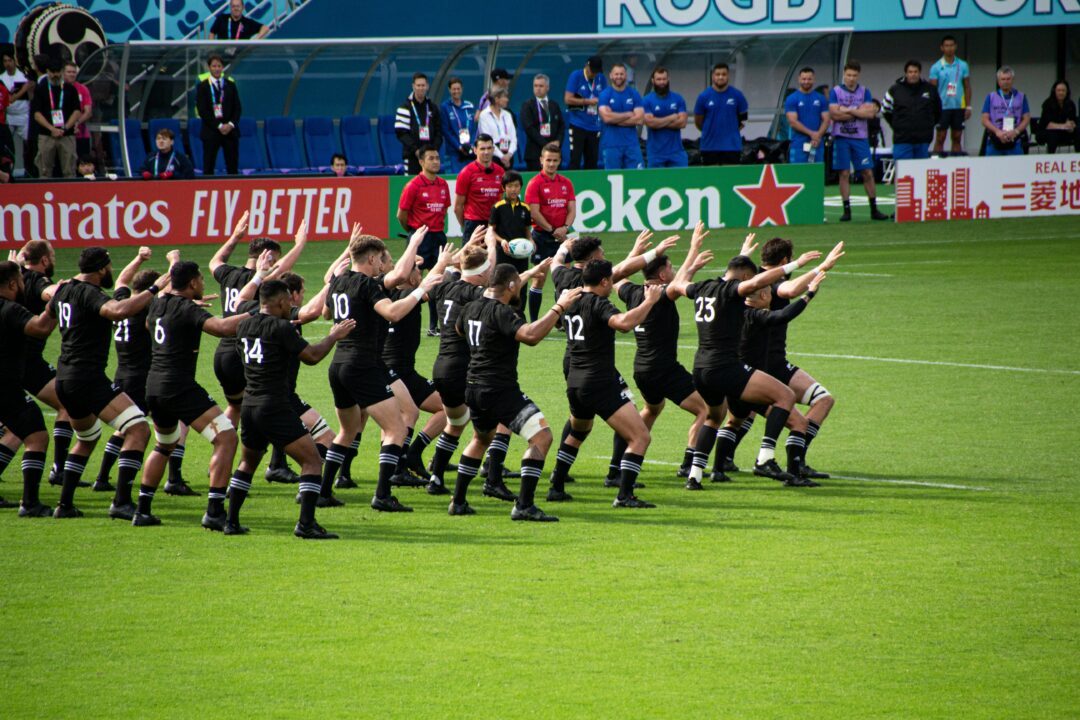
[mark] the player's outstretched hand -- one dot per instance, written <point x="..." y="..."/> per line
<point x="748" y="245"/>
<point x="357" y="231"/>
<point x="342" y="329"/>
<point x="542" y="267"/>
<point x="265" y="261"/>
<point x="642" y="242"/>
<point x="700" y="233"/>
<point x="430" y="280"/>
<point x="301" y="232"/>
<point x="702" y="260"/>
<point x="478" y="235"/>
<point x="240" y="231"/>
<point x="569" y="296"/>
<point x="418" y="235"/>
<point x="816" y="282"/>
<point x="835" y="254"/>
<point x="808" y="257"/>
<point x="653" y="293"/>
<point x="666" y="244"/>
<point x="173" y="256"/>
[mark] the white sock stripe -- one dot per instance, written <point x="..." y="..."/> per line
<point x="216" y="494"/>
<point x="354" y="445"/>
<point x="126" y="463"/>
<point x="74" y="467"/>
<point x="811" y="432"/>
<point x="33" y="465"/>
<point x="63" y="433"/>
<point x="387" y="458"/>
<point x="448" y="447"/>
<point x="146" y="493"/>
<point x="309" y="488"/>
<point x="332" y="456"/>
<point x="795" y="441"/>
<point x="747" y="424"/>
<point x="467" y="471"/>
<point x="728" y="434"/>
<point x="178" y="452"/>
<point x="424" y="437"/>
<point x="236" y="484"/>
<point x="768" y="443"/>
<point x="531" y="472"/>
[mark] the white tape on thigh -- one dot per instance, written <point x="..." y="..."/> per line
<point x="167" y="438"/>
<point x="91" y="433"/>
<point x="461" y="421"/>
<point x="532" y="426"/>
<point x="127" y="419"/>
<point x="220" y="424"/>
<point x="319" y="427"/>
<point x="814" y="393"/>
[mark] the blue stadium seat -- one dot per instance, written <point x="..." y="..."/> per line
<point x="251" y="150"/>
<point x="282" y="147"/>
<point x="195" y="148"/>
<point x="319" y="141"/>
<point x="136" y="145"/>
<point x="359" y="143"/>
<point x="391" y="146"/>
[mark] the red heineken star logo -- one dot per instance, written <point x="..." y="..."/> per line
<point x="768" y="198"/>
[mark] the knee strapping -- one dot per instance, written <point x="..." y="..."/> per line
<point x="532" y="426"/>
<point x="460" y="421"/>
<point x="813" y="394"/>
<point x="579" y="435"/>
<point x="90" y="434"/>
<point x="127" y="419"/>
<point x="215" y="427"/>
<point x="167" y="438"/>
<point x="319" y="427"/>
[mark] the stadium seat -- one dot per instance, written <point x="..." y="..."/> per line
<point x="136" y="145"/>
<point x="319" y="141"/>
<point x="195" y="147"/>
<point x="282" y="147"/>
<point x="251" y="152"/>
<point x="359" y="143"/>
<point x="391" y="146"/>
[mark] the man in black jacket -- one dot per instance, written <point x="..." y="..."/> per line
<point x="218" y="103"/>
<point x="542" y="121"/>
<point x="417" y="123"/>
<point x="912" y="107"/>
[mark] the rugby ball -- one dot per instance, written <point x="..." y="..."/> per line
<point x="521" y="248"/>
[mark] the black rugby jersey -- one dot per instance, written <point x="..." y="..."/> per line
<point x="490" y="327"/>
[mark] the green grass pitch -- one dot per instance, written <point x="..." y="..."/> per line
<point x="938" y="576"/>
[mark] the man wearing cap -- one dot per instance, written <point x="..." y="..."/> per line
<point x="500" y="80"/>
<point x="85" y="315"/>
<point x="542" y="121"/>
<point x="417" y="123"/>
<point x="582" y="99"/>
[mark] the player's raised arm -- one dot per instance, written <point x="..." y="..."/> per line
<point x="625" y="322"/>
<point x="797" y="286"/>
<point x="637" y="262"/>
<point x="536" y="331"/>
<point x="126" y="275"/>
<point x="749" y="287"/>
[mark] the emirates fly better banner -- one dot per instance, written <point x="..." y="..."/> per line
<point x="677" y="199"/>
<point x="179" y="212"/>
<point x="987" y="187"/>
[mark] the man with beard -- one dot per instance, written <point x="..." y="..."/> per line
<point x="665" y="116"/>
<point x="85" y="316"/>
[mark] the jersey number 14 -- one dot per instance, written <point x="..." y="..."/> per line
<point x="252" y="352"/>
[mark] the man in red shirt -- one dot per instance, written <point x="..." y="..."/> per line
<point x="478" y="187"/>
<point x="551" y="200"/>
<point x="424" y="201"/>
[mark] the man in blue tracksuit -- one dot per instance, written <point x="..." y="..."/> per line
<point x="720" y="113"/>
<point x="582" y="101"/>
<point x="665" y="116"/>
<point x="621" y="113"/>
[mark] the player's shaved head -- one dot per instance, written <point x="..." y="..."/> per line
<point x="272" y="291"/>
<point x="502" y="276"/>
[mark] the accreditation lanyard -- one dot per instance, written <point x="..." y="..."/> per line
<point x="545" y="119"/>
<point x="462" y="127"/>
<point x="239" y="27"/>
<point x="1008" y="122"/>
<point x="57" y="112"/>
<point x="168" y="165"/>
<point x="425" y="130"/>
<point x="216" y="98"/>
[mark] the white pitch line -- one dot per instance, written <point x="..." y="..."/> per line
<point x="890" y="481"/>
<point x="860" y="274"/>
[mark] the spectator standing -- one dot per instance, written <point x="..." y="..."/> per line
<point x="1006" y="116"/>
<point x="952" y="78"/>
<point x="553" y="205"/>
<point x="807" y="113"/>
<point x="582" y="99"/>
<point x="720" y="113"/>
<point x="234" y="25"/>
<point x="500" y="79"/>
<point x="457" y="118"/>
<point x="622" y="113"/>
<point x="56" y="112"/>
<point x="851" y="107"/>
<point x="424" y="201"/>
<point x="497" y="122"/>
<point x="1057" y="122"/>
<point x="665" y="116"/>
<point x="478" y="187"/>
<point x="86" y="109"/>
<point x="18" y="109"/>
<point x="7" y="144"/>
<point x="417" y="124"/>
<point x="167" y="162"/>
<point x="218" y="103"/>
<point x="912" y="108"/>
<point x="542" y="121"/>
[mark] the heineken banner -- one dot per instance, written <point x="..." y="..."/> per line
<point x="678" y="198"/>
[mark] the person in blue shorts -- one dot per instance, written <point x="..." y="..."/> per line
<point x="1006" y="116"/>
<point x="851" y="106"/>
<point x="912" y="108"/>
<point x="665" y="116"/>
<point x="621" y="114"/>
<point x="952" y="78"/>
<point x="808" y="115"/>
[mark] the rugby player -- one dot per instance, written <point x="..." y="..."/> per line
<point x="85" y="315"/>
<point x="494" y="331"/>
<point x="20" y="415"/>
<point x="593" y="382"/>
<point x="268" y="342"/>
